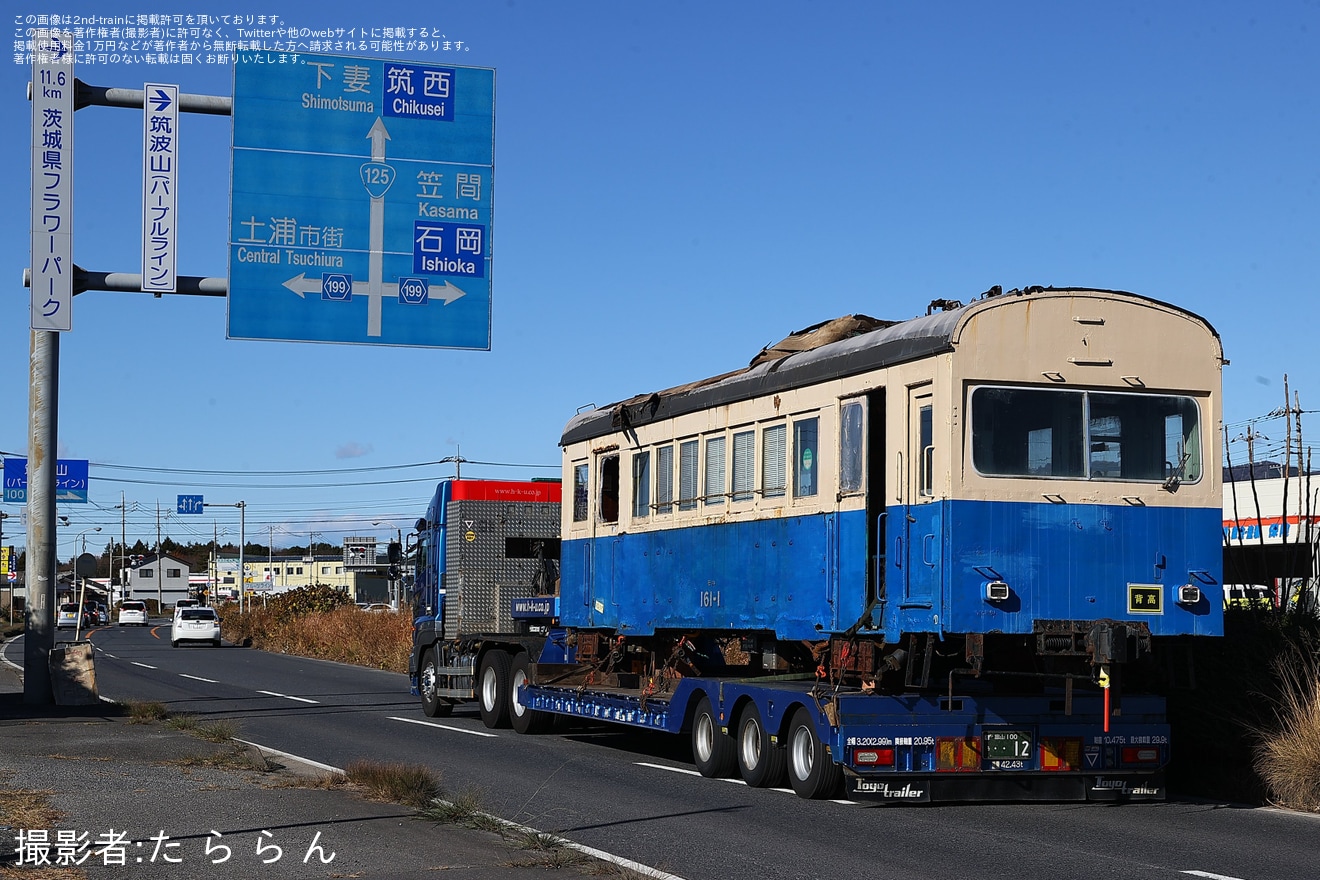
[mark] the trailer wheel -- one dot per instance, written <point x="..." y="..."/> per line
<point x="493" y="688"/>
<point x="524" y="720"/>
<point x="811" y="771"/>
<point x="760" y="761"/>
<point x="712" y="751"/>
<point x="427" y="681"/>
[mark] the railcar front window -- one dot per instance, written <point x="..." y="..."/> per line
<point x="1021" y="432"/>
<point x="580" y="493"/>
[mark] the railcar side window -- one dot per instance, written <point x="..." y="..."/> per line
<point x="609" y="489"/>
<point x="744" y="466"/>
<point x="687" y="475"/>
<point x="1020" y="432"/>
<point x="805" y="465"/>
<point x="641" y="484"/>
<point x="772" y="461"/>
<point x="926" y="440"/>
<point x="714" y="470"/>
<point x="851" y="449"/>
<point x="664" y="479"/>
<point x="580" y="493"/>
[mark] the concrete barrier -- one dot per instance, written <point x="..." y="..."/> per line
<point x="73" y="675"/>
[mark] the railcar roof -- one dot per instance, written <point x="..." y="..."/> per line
<point x="830" y="350"/>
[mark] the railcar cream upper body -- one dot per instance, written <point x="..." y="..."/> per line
<point x="1085" y="361"/>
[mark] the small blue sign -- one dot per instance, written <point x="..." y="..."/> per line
<point x="336" y="286"/>
<point x="70" y="480"/>
<point x="413" y="291"/>
<point x="449" y="249"/>
<point x="539" y="606"/>
<point x="190" y="504"/>
<point x="418" y="92"/>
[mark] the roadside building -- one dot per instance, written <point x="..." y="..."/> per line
<point x="157" y="577"/>
<point x="1271" y="526"/>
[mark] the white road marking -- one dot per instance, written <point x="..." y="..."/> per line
<point x="688" y="772"/>
<point x="308" y="761"/>
<point x="287" y="697"/>
<point x="442" y="726"/>
<point x="644" y="870"/>
<point x="143" y="665"/>
<point x="1210" y="876"/>
<point x="198" y="678"/>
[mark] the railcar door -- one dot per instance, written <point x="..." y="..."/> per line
<point x="921" y="527"/>
<point x="862" y="471"/>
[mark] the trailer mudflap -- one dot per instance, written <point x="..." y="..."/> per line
<point x="1003" y="787"/>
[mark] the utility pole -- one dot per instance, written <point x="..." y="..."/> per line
<point x="10" y="567"/>
<point x="43" y="408"/>
<point x="160" y="586"/>
<point x="123" y="537"/>
<point x="242" y="539"/>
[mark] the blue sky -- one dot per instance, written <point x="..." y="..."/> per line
<point x="678" y="184"/>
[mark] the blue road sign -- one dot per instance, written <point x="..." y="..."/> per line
<point x="190" y="504"/>
<point x="70" y="480"/>
<point x="366" y="184"/>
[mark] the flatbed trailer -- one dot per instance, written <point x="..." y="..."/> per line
<point x="907" y="748"/>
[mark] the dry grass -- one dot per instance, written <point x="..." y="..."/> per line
<point x="9" y="872"/>
<point x="1288" y="757"/>
<point x="235" y="756"/>
<point x="346" y="635"/>
<point x="412" y="785"/>
<point x="145" y="712"/>
<point x="215" y="731"/>
<point x="28" y="808"/>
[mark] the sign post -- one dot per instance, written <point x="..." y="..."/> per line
<point x="361" y="202"/>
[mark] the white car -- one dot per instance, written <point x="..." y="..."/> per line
<point x="195" y="625"/>
<point x="133" y="613"/>
<point x="67" y="618"/>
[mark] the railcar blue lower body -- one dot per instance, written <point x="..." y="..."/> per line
<point x="806" y="577"/>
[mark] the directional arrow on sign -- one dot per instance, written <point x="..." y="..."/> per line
<point x="161" y="100"/>
<point x="376" y="177"/>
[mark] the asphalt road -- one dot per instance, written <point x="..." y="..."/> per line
<point x="637" y="795"/>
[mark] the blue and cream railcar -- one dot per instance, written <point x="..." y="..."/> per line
<point x="1041" y="464"/>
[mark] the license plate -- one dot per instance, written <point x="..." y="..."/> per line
<point x="1007" y="745"/>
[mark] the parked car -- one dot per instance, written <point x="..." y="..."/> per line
<point x="133" y="613"/>
<point x="1248" y="596"/>
<point x="379" y="608"/>
<point x="67" y="616"/>
<point x="195" y="625"/>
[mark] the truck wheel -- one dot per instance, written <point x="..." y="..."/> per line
<point x="493" y="689"/>
<point x="712" y="751"/>
<point x="811" y="770"/>
<point x="427" y="680"/>
<point x="760" y="761"/>
<point x="524" y="720"/>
